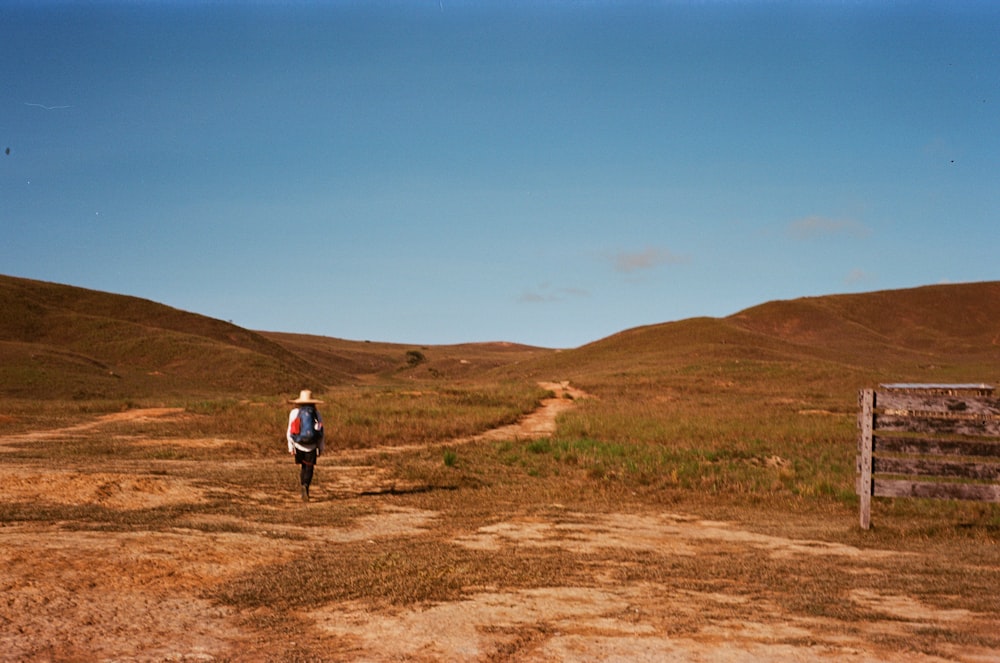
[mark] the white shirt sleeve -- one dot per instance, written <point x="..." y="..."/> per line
<point x="292" y="416"/>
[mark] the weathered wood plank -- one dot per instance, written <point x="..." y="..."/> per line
<point x="977" y="492"/>
<point x="935" y="447"/>
<point x="866" y="402"/>
<point x="949" y="388"/>
<point x="945" y="404"/>
<point x="920" y="467"/>
<point x="973" y="426"/>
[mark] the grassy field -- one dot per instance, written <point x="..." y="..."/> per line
<point x="695" y="502"/>
<point x="745" y="512"/>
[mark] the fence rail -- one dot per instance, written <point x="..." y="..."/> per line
<point x="928" y="441"/>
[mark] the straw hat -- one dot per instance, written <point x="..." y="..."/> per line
<point x="305" y="396"/>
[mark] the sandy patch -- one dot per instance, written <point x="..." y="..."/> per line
<point x="908" y="608"/>
<point x="107" y="489"/>
<point x="581" y="624"/>
<point x="674" y="533"/>
<point x="85" y="596"/>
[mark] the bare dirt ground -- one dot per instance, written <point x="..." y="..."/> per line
<point x="78" y="594"/>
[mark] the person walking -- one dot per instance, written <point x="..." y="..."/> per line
<point x="305" y="437"/>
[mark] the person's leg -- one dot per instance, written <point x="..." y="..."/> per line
<point x="307" y="461"/>
<point x="305" y="471"/>
<point x="306" y="475"/>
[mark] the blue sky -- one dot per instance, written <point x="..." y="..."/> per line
<point x="540" y="172"/>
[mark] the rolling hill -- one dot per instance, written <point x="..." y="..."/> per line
<point x="942" y="333"/>
<point x="63" y="341"/>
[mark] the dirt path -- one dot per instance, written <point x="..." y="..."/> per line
<point x="136" y="414"/>
<point x="359" y="478"/>
<point x="540" y="423"/>
<point x="135" y="593"/>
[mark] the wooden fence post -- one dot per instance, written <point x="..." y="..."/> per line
<point x="866" y="401"/>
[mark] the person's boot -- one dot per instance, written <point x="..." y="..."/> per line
<point x="305" y="493"/>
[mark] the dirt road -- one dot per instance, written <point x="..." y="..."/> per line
<point x="71" y="592"/>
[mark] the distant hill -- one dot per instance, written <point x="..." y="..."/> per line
<point x="63" y="341"/>
<point x="932" y="333"/>
<point x="944" y="320"/>
<point x="68" y="342"/>
<point x="367" y="360"/>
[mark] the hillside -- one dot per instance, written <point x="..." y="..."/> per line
<point x="961" y="320"/>
<point x="67" y="342"/>
<point x="931" y="333"/>
<point x="368" y="360"/>
<point x="63" y="341"/>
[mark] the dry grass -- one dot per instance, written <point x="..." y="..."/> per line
<point x="951" y="549"/>
<point x="947" y="571"/>
<point x="390" y="416"/>
<point x="421" y="571"/>
<point x="748" y="421"/>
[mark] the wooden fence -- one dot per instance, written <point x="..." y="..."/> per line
<point x="938" y="441"/>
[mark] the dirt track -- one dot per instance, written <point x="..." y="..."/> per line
<point x="71" y="594"/>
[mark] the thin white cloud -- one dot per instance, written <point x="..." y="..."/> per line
<point x="811" y="227"/>
<point x="856" y="276"/>
<point x="649" y="258"/>
<point x="575" y="292"/>
<point x="533" y="298"/>
<point x="546" y="293"/>
<point x="43" y="106"/>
